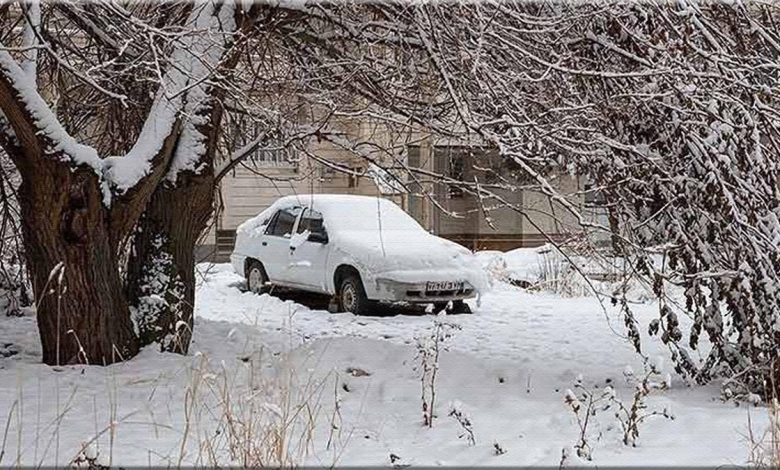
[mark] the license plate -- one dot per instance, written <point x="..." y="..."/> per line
<point x="444" y="285"/>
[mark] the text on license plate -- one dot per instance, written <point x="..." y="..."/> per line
<point x="444" y="285"/>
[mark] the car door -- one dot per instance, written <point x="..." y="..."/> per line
<point x="309" y="254"/>
<point x="275" y="243"/>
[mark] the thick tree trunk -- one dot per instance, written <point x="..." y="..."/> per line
<point x="72" y="239"/>
<point x="161" y="268"/>
<point x="82" y="310"/>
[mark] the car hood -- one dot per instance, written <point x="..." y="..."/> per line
<point x="411" y="256"/>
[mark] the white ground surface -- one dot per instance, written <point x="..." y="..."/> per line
<point x="261" y="358"/>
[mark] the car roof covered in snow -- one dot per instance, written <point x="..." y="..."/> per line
<point x="343" y="212"/>
<point x="324" y="200"/>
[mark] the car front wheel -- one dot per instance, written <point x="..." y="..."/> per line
<point x="352" y="296"/>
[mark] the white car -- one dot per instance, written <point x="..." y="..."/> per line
<point x="359" y="249"/>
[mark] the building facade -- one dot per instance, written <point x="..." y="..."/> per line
<point x="436" y="181"/>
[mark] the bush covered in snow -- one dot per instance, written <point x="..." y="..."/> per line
<point x="670" y="111"/>
<point x="587" y="404"/>
<point x="429" y="350"/>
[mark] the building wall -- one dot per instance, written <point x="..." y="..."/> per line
<point x="549" y="216"/>
<point x="250" y="189"/>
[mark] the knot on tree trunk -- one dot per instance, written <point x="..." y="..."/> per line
<point x="75" y="221"/>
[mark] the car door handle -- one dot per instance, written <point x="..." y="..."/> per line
<point x="264" y="243"/>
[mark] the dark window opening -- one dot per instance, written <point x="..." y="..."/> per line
<point x="594" y="195"/>
<point x="282" y="222"/>
<point x="457" y="170"/>
<point x="352" y="180"/>
<point x="311" y="220"/>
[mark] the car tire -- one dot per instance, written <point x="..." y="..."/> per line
<point x="352" y="295"/>
<point x="459" y="306"/>
<point x="256" y="277"/>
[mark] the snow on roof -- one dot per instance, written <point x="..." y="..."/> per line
<point x="327" y="200"/>
<point x="329" y="203"/>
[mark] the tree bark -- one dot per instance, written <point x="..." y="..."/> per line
<point x="161" y="267"/>
<point x="70" y="235"/>
<point x="82" y="310"/>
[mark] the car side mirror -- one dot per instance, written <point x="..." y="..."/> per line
<point x="318" y="237"/>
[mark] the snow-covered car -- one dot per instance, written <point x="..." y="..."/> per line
<point x="358" y="249"/>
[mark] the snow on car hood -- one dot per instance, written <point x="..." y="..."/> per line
<point x="411" y="256"/>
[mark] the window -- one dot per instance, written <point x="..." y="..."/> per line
<point x="312" y="221"/>
<point x="274" y="152"/>
<point x="353" y="179"/>
<point x="282" y="222"/>
<point x="594" y="195"/>
<point x="456" y="171"/>
<point x="414" y="201"/>
<point x="270" y="150"/>
<point x="467" y="163"/>
<point x="499" y="169"/>
<point x="453" y="162"/>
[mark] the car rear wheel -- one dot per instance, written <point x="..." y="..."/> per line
<point x="458" y="306"/>
<point x="256" y="278"/>
<point x="352" y="296"/>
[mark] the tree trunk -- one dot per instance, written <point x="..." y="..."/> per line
<point x="161" y="268"/>
<point x="82" y="310"/>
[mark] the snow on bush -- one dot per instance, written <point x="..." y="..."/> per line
<point x="671" y="111"/>
<point x="764" y="446"/>
<point x="570" y="270"/>
<point x="429" y="349"/>
<point x="587" y="404"/>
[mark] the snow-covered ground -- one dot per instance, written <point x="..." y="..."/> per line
<point x="325" y="388"/>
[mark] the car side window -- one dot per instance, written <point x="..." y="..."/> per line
<point x="271" y="223"/>
<point x="311" y="220"/>
<point x="282" y="222"/>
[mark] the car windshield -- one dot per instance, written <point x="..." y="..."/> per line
<point x="369" y="216"/>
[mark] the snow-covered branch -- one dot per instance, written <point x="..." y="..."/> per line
<point x="182" y="94"/>
<point x="209" y="53"/>
<point x="32" y="119"/>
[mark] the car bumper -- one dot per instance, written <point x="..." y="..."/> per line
<point x="417" y="292"/>
<point x="237" y="261"/>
